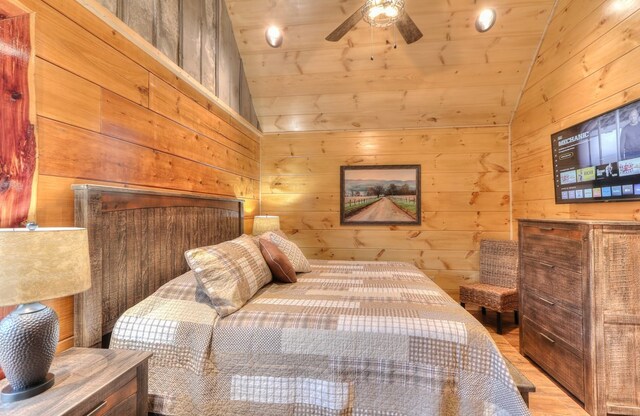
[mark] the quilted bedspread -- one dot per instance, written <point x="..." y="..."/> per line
<point x="349" y="338"/>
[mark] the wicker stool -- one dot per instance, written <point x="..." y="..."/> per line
<point x="498" y="286"/>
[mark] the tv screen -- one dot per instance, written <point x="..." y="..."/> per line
<point x="599" y="160"/>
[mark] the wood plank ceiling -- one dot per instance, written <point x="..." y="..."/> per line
<point x="453" y="76"/>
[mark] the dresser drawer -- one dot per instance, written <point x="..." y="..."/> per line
<point x="558" y="284"/>
<point x="550" y="316"/>
<point x="557" y="246"/>
<point x="554" y="357"/>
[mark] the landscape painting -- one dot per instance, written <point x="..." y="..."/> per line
<point x="380" y="195"/>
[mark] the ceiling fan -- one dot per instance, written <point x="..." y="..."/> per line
<point x="380" y="13"/>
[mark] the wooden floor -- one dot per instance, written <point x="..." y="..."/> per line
<point x="549" y="398"/>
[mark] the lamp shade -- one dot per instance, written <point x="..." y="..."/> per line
<point x="42" y="264"/>
<point x="264" y="223"/>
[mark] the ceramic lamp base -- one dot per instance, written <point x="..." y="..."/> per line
<point x="28" y="338"/>
<point x="9" y="395"/>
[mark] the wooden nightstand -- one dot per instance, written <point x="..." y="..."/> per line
<point x="93" y="382"/>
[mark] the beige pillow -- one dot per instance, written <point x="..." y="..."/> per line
<point x="230" y="273"/>
<point x="279" y="264"/>
<point x="256" y="238"/>
<point x="292" y="251"/>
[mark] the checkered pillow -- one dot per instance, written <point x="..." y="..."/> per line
<point x="292" y="251"/>
<point x="230" y="273"/>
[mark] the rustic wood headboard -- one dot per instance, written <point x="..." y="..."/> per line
<point x="137" y="240"/>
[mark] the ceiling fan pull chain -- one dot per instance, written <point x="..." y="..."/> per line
<point x="395" y="44"/>
<point x="371" y="41"/>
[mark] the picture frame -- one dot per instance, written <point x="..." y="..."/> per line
<point x="380" y="195"/>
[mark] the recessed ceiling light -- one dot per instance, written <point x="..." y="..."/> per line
<point x="485" y="20"/>
<point x="274" y="36"/>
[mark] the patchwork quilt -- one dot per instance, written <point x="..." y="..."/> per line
<point x="349" y="338"/>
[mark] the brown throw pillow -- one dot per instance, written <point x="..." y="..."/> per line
<point x="279" y="264"/>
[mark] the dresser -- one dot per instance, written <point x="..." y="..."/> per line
<point x="90" y="381"/>
<point x="580" y="306"/>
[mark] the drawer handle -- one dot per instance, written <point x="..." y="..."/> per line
<point x="98" y="407"/>
<point x="547" y="338"/>
<point x="548" y="265"/>
<point x="547" y="228"/>
<point x="547" y="301"/>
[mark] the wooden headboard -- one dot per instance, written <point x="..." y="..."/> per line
<point x="137" y="240"/>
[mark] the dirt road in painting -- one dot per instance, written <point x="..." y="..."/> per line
<point x="383" y="210"/>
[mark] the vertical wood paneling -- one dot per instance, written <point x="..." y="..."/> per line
<point x="465" y="195"/>
<point x="111" y="5"/>
<point x="209" y="45"/>
<point x="139" y="16"/>
<point x="227" y="62"/>
<point x="191" y="37"/>
<point x="584" y="68"/>
<point x="167" y="28"/>
<point x="245" y="95"/>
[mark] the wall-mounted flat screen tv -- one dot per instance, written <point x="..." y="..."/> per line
<point x="599" y="160"/>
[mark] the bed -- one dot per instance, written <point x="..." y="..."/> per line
<point x="349" y="338"/>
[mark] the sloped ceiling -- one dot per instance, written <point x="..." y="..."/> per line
<point x="453" y="76"/>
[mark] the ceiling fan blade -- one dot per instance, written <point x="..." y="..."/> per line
<point x="408" y="29"/>
<point x="346" y="26"/>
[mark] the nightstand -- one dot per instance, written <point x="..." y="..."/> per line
<point x="90" y="381"/>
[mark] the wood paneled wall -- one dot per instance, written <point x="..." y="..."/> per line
<point x="197" y="35"/>
<point x="465" y="195"/>
<point x="587" y="65"/>
<point x="110" y="113"/>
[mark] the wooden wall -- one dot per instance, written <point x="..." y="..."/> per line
<point x="465" y="195"/>
<point x="110" y="113"/>
<point x="197" y="35"/>
<point x="587" y="65"/>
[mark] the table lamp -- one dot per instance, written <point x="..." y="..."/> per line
<point x="264" y="223"/>
<point x="36" y="264"/>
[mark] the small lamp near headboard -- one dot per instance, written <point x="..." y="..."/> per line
<point x="36" y="264"/>
<point x="264" y="223"/>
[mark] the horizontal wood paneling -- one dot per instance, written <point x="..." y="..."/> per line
<point x="465" y="195"/>
<point x="441" y="162"/>
<point x="84" y="55"/>
<point x="173" y="104"/>
<point x="411" y="142"/>
<point x="125" y="120"/>
<point x="453" y="76"/>
<point x="112" y="113"/>
<point x="55" y="200"/>
<point x="60" y="91"/>
<point x="436" y="182"/>
<point x="584" y="68"/>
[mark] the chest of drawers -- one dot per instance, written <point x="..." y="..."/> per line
<point x="580" y="306"/>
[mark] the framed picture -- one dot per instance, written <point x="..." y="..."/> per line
<point x="380" y="195"/>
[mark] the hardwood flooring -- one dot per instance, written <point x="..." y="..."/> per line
<point x="549" y="399"/>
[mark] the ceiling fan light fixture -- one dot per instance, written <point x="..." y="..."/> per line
<point x="382" y="13"/>
<point x="274" y="36"/>
<point x="486" y="19"/>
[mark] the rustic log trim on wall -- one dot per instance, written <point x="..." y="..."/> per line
<point x="17" y="136"/>
<point x="197" y="36"/>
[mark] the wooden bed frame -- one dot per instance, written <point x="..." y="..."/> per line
<point x="137" y="240"/>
